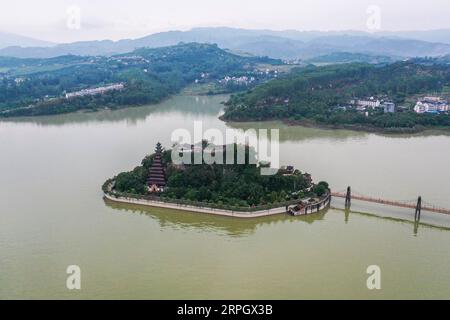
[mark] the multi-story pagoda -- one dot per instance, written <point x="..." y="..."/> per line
<point x="157" y="180"/>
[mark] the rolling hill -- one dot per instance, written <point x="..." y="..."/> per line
<point x="10" y="40"/>
<point x="30" y="87"/>
<point x="277" y="44"/>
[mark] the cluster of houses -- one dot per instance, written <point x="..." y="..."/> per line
<point x="95" y="91"/>
<point x="252" y="78"/>
<point x="203" y="76"/>
<point x="128" y="60"/>
<point x="370" y="103"/>
<point x="293" y="62"/>
<point x="428" y="105"/>
<point x="241" y="81"/>
<point x="17" y="81"/>
<point x="434" y="105"/>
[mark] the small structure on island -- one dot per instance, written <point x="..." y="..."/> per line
<point x="311" y="206"/>
<point x="287" y="171"/>
<point x="157" y="179"/>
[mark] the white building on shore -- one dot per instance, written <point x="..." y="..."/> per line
<point x="431" y="105"/>
<point x="389" y="107"/>
<point x="373" y="103"/>
<point x="370" y="102"/>
<point x="95" y="91"/>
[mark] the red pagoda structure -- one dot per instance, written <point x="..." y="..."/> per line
<point x="157" y="180"/>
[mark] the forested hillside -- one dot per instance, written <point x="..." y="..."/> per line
<point x="313" y="93"/>
<point x="37" y="86"/>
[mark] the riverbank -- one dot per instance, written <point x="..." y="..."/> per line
<point x="358" y="128"/>
<point x="363" y="128"/>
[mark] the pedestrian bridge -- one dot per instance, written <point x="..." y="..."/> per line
<point x="416" y="204"/>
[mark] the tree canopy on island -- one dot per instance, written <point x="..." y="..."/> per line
<point x="234" y="185"/>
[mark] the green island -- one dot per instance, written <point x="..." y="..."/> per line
<point x="335" y="96"/>
<point x="35" y="87"/>
<point x="236" y="187"/>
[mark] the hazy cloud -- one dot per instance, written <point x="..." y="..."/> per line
<point x="114" y="19"/>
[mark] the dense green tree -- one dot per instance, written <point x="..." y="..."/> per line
<point x="149" y="75"/>
<point x="232" y="185"/>
<point x="314" y="92"/>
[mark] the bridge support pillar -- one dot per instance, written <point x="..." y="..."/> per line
<point x="418" y="209"/>
<point x="348" y="198"/>
<point x="416" y="227"/>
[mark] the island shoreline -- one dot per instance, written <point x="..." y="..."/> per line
<point x="312" y="208"/>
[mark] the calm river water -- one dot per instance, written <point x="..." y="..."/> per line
<point x="52" y="215"/>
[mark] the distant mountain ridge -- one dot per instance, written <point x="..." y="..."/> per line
<point x="288" y="44"/>
<point x="9" y="39"/>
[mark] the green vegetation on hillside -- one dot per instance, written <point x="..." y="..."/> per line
<point x="149" y="75"/>
<point x="312" y="94"/>
<point x="348" y="57"/>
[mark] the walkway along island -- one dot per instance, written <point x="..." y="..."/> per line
<point x="237" y="190"/>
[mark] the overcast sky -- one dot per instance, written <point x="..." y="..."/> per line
<point x="56" y="20"/>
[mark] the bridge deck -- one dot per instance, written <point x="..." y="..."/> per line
<point x="392" y="203"/>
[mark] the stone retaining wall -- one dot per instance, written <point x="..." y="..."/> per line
<point x="311" y="208"/>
